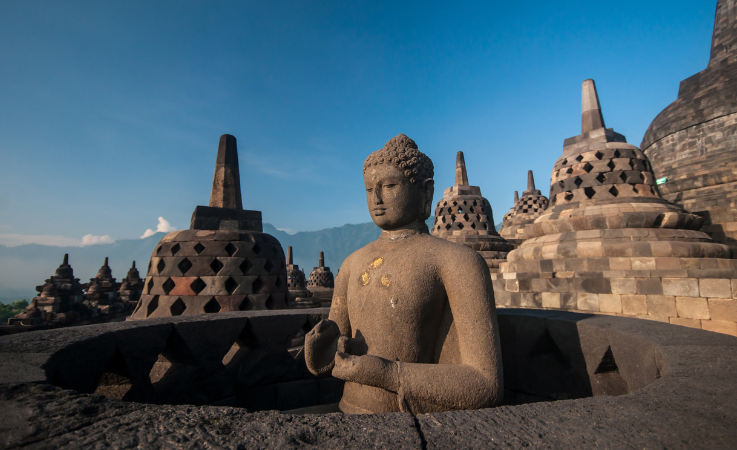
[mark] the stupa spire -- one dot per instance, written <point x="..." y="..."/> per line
<point x="530" y="181"/>
<point x="461" y="175"/>
<point x="105" y="264"/>
<point x="591" y="117"/>
<point x="226" y="183"/>
<point x="321" y="262"/>
<point x="516" y="197"/>
<point x="289" y="255"/>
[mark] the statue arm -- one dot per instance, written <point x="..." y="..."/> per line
<point x="477" y="380"/>
<point x="339" y="305"/>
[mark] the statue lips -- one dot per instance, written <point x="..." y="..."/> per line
<point x="379" y="211"/>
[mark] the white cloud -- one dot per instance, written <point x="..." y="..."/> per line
<point x="14" y="240"/>
<point x="90" y="239"/>
<point x="287" y="230"/>
<point x="163" y="227"/>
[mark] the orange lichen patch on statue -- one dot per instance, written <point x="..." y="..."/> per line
<point x="365" y="278"/>
<point x="377" y="263"/>
<point x="385" y="280"/>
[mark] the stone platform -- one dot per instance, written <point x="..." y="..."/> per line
<point x="618" y="382"/>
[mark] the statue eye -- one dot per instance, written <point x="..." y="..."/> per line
<point x="389" y="186"/>
<point x="370" y="190"/>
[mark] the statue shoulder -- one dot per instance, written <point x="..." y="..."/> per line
<point x="358" y="255"/>
<point x="452" y="254"/>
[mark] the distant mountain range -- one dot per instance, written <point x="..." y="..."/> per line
<point x="24" y="267"/>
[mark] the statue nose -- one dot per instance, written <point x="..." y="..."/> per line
<point x="377" y="197"/>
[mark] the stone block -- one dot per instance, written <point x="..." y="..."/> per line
<point x="511" y="285"/>
<point x="715" y="287"/>
<point x="502" y="298"/>
<point x="643" y="264"/>
<point x="664" y="319"/>
<point x="610" y="303"/>
<point x="719" y="326"/>
<point x="620" y="263"/>
<point x="662" y="305"/>
<point x="723" y="309"/>
<point x="531" y="299"/>
<point x="634" y="304"/>
<point x="681" y="287"/>
<point x="692" y="308"/>
<point x="551" y="300"/>
<point x="623" y="286"/>
<point x="691" y="323"/>
<point x="734" y="288"/>
<point x="668" y="263"/>
<point x="568" y="301"/>
<point x="587" y="302"/>
<point x="649" y="286"/>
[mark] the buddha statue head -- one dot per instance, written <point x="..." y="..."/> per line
<point x="399" y="185"/>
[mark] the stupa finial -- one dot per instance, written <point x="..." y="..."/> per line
<point x="66" y="260"/>
<point x="226" y="184"/>
<point x="530" y="181"/>
<point x="289" y="255"/>
<point x="516" y="197"/>
<point x="134" y="265"/>
<point x="105" y="261"/>
<point x="591" y="117"/>
<point x="321" y="263"/>
<point x="461" y="175"/>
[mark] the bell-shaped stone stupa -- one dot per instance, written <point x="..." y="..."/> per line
<point x="61" y="294"/>
<point x="321" y="282"/>
<point x="692" y="143"/>
<point x="103" y="289"/>
<point x="299" y="295"/>
<point x="463" y="216"/>
<point x="609" y="242"/>
<point x="224" y="262"/>
<point x="525" y="211"/>
<point x="131" y="287"/>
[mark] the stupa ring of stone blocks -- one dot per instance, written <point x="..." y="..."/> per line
<point x="628" y="383"/>
<point x="210" y="271"/>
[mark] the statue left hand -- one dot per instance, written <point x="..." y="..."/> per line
<point x="364" y="369"/>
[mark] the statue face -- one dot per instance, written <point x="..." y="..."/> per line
<point x="393" y="200"/>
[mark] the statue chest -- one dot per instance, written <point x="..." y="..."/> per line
<point x="391" y="292"/>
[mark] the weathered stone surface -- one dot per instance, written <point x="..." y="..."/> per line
<point x="412" y="325"/>
<point x="679" y="386"/>
<point x="222" y="263"/>
<point x="610" y="239"/>
<point x="692" y="141"/>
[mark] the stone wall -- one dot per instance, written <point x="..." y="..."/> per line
<point x="692" y="292"/>
<point x="680" y="386"/>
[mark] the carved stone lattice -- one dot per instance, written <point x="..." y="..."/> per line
<point x="224" y="262"/>
<point x="463" y="216"/>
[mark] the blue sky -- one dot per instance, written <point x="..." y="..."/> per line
<point x="110" y="112"/>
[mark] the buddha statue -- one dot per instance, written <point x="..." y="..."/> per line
<point x="412" y="326"/>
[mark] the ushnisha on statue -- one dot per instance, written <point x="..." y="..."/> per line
<point x="413" y="324"/>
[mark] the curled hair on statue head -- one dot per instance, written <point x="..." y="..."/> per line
<point x="402" y="152"/>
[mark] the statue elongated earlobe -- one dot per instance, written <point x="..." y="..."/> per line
<point x="429" y="191"/>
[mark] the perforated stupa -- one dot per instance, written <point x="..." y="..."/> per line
<point x="463" y="216"/>
<point x="224" y="262"/>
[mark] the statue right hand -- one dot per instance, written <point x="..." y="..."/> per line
<point x="321" y="343"/>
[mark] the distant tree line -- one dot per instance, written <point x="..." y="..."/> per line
<point x="9" y="310"/>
